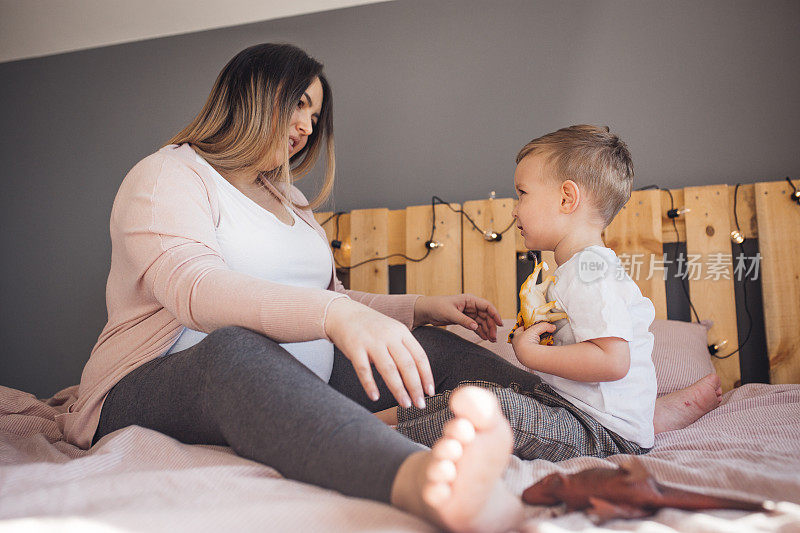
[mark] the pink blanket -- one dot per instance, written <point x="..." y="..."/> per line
<point x="138" y="479"/>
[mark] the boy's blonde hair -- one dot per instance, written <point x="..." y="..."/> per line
<point x="594" y="158"/>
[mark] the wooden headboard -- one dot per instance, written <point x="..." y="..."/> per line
<point x="467" y="262"/>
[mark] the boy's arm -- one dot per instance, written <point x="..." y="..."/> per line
<point x="602" y="359"/>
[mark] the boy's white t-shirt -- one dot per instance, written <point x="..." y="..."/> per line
<point x="254" y="241"/>
<point x="601" y="300"/>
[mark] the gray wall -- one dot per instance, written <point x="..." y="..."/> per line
<point x="431" y="98"/>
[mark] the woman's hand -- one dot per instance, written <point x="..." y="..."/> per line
<point x="366" y="337"/>
<point x="465" y="309"/>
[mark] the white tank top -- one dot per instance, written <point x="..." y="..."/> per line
<point x="255" y="242"/>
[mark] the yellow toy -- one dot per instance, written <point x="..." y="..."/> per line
<point x="534" y="306"/>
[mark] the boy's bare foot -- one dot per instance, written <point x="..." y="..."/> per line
<point x="457" y="484"/>
<point x="678" y="409"/>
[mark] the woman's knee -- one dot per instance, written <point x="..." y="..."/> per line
<point x="232" y="335"/>
<point x="233" y="344"/>
<point x="434" y="336"/>
<point x="440" y="343"/>
<point x="448" y="354"/>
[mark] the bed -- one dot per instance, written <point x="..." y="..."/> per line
<point x="137" y="479"/>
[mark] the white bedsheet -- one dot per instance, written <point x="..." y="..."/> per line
<point x="137" y="479"/>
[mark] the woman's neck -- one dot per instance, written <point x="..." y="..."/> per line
<point x="240" y="179"/>
<point x="248" y="184"/>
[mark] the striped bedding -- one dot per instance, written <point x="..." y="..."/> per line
<point x="138" y="479"/>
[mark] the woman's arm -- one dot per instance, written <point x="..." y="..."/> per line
<point x="415" y="310"/>
<point x="398" y="306"/>
<point x="163" y="231"/>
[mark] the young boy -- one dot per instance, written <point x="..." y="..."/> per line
<point x="597" y="391"/>
<point x="571" y="183"/>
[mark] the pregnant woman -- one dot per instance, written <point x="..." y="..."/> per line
<point x="227" y="325"/>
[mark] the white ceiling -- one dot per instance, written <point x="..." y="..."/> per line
<point x="34" y="28"/>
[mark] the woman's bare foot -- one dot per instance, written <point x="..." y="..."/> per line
<point x="678" y="409"/>
<point x="457" y="485"/>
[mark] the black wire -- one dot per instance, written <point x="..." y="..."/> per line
<point x="741" y="251"/>
<point x="464" y="213"/>
<point x="677" y="238"/>
<point x="744" y="283"/>
<point x="330" y="217"/>
<point x="434" y="200"/>
<point x="735" y="204"/>
<point x="790" y="183"/>
<point x="407" y="258"/>
<point x="433" y="218"/>
<point x="343" y="267"/>
<point x="795" y="195"/>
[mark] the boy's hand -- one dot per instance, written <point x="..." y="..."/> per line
<point x="476" y="314"/>
<point x="531" y="335"/>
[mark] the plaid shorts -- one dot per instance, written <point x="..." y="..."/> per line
<point x="545" y="425"/>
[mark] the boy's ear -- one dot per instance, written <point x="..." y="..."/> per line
<point x="570" y="197"/>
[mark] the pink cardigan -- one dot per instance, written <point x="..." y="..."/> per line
<point x="167" y="272"/>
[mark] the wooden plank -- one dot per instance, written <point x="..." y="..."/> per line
<point x="636" y="236"/>
<point x="746" y="209"/>
<point x="708" y="245"/>
<point x="369" y="239"/>
<point x="779" y="240"/>
<point x="668" y="229"/>
<point x="397" y="236"/>
<point x="490" y="267"/>
<point x="440" y="272"/>
<point x="342" y="255"/>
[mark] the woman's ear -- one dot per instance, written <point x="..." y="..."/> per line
<point x="570" y="197"/>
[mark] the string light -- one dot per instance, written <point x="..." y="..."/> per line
<point x="796" y="193"/>
<point x="673" y="213"/>
<point x="489" y="235"/>
<point x="714" y="348"/>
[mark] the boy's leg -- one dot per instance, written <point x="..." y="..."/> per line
<point x="239" y="388"/>
<point x="544" y="425"/>
<point x="452" y="359"/>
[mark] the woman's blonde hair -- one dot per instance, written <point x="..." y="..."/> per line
<point x="245" y="120"/>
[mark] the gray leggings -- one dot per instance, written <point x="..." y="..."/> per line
<point x="241" y="389"/>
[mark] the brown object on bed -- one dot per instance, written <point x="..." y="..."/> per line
<point x="625" y="492"/>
